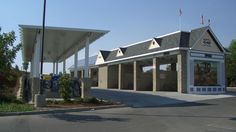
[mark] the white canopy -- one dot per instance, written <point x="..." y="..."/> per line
<point x="60" y="42"/>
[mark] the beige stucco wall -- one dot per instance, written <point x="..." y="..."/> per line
<point x="212" y="47"/>
<point x="103" y="76"/>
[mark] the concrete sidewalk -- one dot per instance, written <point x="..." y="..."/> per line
<point x="152" y="99"/>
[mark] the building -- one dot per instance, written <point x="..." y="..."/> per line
<point x="186" y="62"/>
<point x="93" y="70"/>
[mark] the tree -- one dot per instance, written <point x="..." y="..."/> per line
<point x="65" y="87"/>
<point x="7" y="55"/>
<point x="25" y="66"/>
<point x="231" y="64"/>
<point x="7" y="50"/>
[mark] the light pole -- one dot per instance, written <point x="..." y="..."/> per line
<point x="42" y="47"/>
<point x="39" y="98"/>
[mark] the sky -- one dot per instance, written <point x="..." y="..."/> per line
<point x="128" y="21"/>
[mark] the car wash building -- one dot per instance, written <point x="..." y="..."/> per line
<point x="186" y="62"/>
<point x="93" y="70"/>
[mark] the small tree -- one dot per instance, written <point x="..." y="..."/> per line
<point x="65" y="87"/>
<point x="231" y="64"/>
<point x="7" y="55"/>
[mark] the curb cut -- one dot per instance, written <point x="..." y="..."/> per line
<point x="61" y="110"/>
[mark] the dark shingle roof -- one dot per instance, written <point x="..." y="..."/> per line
<point x="105" y="53"/>
<point x="167" y="42"/>
<point x="174" y="40"/>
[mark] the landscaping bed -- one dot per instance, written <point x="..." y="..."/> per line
<point x="53" y="104"/>
<point x="78" y="102"/>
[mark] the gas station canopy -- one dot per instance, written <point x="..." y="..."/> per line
<point x="59" y="43"/>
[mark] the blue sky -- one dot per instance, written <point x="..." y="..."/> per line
<point x="129" y="21"/>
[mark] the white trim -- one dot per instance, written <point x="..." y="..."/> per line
<point x="62" y="28"/>
<point x="218" y="56"/>
<point x="206" y="52"/>
<point x="197" y="55"/>
<point x="136" y="56"/>
<point x="170" y="34"/>
<point x="217" y="40"/>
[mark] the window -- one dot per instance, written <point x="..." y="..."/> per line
<point x="146" y="69"/>
<point x="165" y="67"/>
<point x="205" y="73"/>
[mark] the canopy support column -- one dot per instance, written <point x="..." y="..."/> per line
<point x="57" y="68"/>
<point x="53" y="67"/>
<point x="86" y="81"/>
<point x="64" y="66"/>
<point x="35" y="67"/>
<point x="76" y="64"/>
<point x="86" y="69"/>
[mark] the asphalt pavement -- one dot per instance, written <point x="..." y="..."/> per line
<point x="215" y="115"/>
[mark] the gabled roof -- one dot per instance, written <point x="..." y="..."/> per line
<point x="198" y="33"/>
<point x="175" y="40"/>
<point x="165" y="42"/>
<point x="104" y="53"/>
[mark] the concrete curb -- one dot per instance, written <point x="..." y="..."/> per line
<point x="61" y="110"/>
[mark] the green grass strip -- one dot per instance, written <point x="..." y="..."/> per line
<point x="14" y="107"/>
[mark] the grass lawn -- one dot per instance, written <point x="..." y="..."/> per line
<point x="15" y="107"/>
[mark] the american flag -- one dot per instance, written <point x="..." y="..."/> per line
<point x="180" y="12"/>
<point x="202" y="20"/>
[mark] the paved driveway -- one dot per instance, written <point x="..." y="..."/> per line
<point x="151" y="99"/>
<point x="216" y="115"/>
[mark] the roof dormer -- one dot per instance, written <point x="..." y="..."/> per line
<point x="102" y="55"/>
<point x="154" y="44"/>
<point x="120" y="52"/>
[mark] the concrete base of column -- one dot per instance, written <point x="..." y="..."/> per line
<point x="35" y="84"/>
<point x="86" y="86"/>
<point x="39" y="100"/>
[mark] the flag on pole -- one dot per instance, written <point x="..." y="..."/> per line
<point x="180" y="12"/>
<point x="202" y="20"/>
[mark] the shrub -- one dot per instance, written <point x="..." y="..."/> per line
<point x="79" y="100"/>
<point x="92" y="100"/>
<point x="65" y="87"/>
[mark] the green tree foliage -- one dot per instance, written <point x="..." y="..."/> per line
<point x="25" y="66"/>
<point x="231" y="64"/>
<point x="7" y="50"/>
<point x="7" y="55"/>
<point x="65" y="87"/>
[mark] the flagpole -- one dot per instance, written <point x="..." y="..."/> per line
<point x="180" y="19"/>
<point x="180" y="23"/>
